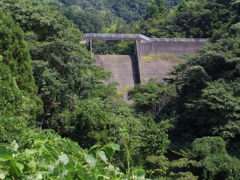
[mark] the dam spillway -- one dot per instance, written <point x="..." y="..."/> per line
<point x="122" y="67"/>
<point x="153" y="57"/>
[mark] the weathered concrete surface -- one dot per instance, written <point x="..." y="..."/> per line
<point x="129" y="70"/>
<point x="122" y="67"/>
<point x="177" y="48"/>
<point x="159" y="69"/>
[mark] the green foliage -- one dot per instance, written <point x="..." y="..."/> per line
<point x="11" y="126"/>
<point x="15" y="54"/>
<point x="18" y="89"/>
<point x="208" y="94"/>
<point x="124" y="90"/>
<point x="235" y="6"/>
<point x="153" y="12"/>
<point x="151" y="99"/>
<point x="182" y="7"/>
<point x="154" y="144"/>
<point x="105" y="15"/>
<point x="96" y="120"/>
<point x="158" y="166"/>
<point x="52" y="28"/>
<point x="63" y="69"/>
<point x="184" y="176"/>
<point x="202" y="99"/>
<point x="188" y="19"/>
<point x="101" y="16"/>
<point x="213" y="159"/>
<point x="156" y="11"/>
<point x="149" y="28"/>
<point x="208" y="105"/>
<point x="113" y="47"/>
<point x="46" y="155"/>
<point x="206" y="146"/>
<point x="128" y="10"/>
<point x="222" y="101"/>
<point x="88" y="21"/>
<point x="126" y="47"/>
<point x="171" y="3"/>
<point x="235" y="29"/>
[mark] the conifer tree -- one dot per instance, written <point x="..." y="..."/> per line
<point x="16" y="68"/>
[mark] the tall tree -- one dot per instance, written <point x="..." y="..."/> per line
<point x="156" y="11"/>
<point x="63" y="68"/>
<point x="19" y="102"/>
<point x="15" y="55"/>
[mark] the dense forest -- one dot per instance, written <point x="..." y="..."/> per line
<point x="58" y="120"/>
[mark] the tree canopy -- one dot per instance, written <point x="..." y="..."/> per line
<point x="58" y="120"/>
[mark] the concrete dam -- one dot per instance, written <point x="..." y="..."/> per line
<point x="153" y="57"/>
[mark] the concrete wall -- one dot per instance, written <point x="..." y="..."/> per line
<point x="122" y="67"/>
<point x="177" y="48"/>
<point x="129" y="70"/>
<point x="159" y="69"/>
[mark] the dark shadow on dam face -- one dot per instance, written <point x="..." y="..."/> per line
<point x="135" y="69"/>
<point x="114" y="47"/>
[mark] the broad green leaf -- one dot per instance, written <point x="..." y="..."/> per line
<point x="32" y="165"/>
<point x="139" y="172"/>
<point x="3" y="174"/>
<point x="71" y="165"/>
<point x="111" y="167"/>
<point x="104" y="177"/>
<point x="16" y="168"/>
<point x="115" y="147"/>
<point x="90" y="159"/>
<point x="39" y="141"/>
<point x="19" y="166"/>
<point x="140" y="178"/>
<point x="63" y="175"/>
<point x="109" y="151"/>
<point x="94" y="147"/>
<point x="37" y="176"/>
<point x="63" y="159"/>
<point x="43" y="166"/>
<point x="30" y="152"/>
<point x="103" y="156"/>
<point x="15" y="145"/>
<point x="51" y="169"/>
<point x="5" y="152"/>
<point x="83" y="173"/>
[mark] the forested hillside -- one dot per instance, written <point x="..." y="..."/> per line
<point x="93" y="16"/>
<point x="58" y="120"/>
<point x="129" y="10"/>
<point x="193" y="19"/>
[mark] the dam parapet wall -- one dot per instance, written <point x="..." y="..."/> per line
<point x="157" y="58"/>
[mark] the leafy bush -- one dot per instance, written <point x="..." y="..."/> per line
<point x="213" y="161"/>
<point x="45" y="155"/>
